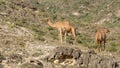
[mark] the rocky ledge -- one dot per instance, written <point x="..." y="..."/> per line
<point x="66" y="57"/>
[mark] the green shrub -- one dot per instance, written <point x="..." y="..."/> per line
<point x="112" y="49"/>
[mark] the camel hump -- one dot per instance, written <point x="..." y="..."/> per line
<point x="66" y="22"/>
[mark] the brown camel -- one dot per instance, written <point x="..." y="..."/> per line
<point x="64" y="28"/>
<point x="101" y="37"/>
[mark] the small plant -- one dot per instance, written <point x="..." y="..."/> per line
<point x="38" y="33"/>
<point x="85" y="40"/>
<point x="53" y="34"/>
<point x="113" y="44"/>
<point x="2" y="2"/>
<point x="1" y="57"/>
<point x="20" y="23"/>
<point x="112" y="49"/>
<point x="30" y="65"/>
<point x="36" y="54"/>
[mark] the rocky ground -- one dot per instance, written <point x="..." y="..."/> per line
<point x="51" y="56"/>
<point x="26" y="41"/>
<point x="27" y="53"/>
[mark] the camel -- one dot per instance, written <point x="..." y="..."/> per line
<point x="100" y="37"/>
<point x="64" y="28"/>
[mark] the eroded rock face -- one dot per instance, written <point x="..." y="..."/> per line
<point x="75" y="58"/>
<point x="63" y="57"/>
<point x="62" y="53"/>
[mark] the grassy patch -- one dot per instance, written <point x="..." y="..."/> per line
<point x="39" y="34"/>
<point x="36" y="54"/>
<point x="1" y="57"/>
<point x="85" y="40"/>
<point x="2" y="2"/>
<point x="29" y="14"/>
<point x="21" y="23"/>
<point x="112" y="49"/>
<point x="30" y="65"/>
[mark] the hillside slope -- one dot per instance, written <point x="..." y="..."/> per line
<point x="23" y="29"/>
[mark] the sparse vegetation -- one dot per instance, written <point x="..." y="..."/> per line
<point x="22" y="25"/>
<point x="1" y="57"/>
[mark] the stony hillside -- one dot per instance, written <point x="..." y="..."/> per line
<point x="25" y="35"/>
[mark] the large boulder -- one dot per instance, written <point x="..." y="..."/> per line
<point x="62" y="53"/>
<point x="75" y="58"/>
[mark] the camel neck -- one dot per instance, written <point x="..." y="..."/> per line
<point x="50" y="24"/>
<point x="99" y="28"/>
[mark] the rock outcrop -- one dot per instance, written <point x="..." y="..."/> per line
<point x="66" y="57"/>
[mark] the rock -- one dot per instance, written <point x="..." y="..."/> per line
<point x="76" y="53"/>
<point x="64" y="52"/>
<point x="29" y="65"/>
<point x="48" y="65"/>
<point x="37" y="62"/>
<point x="33" y="64"/>
<point x="94" y="61"/>
<point x="64" y="56"/>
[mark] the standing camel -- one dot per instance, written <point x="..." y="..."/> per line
<point x="101" y="37"/>
<point x="64" y="28"/>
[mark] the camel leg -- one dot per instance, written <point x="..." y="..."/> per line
<point x="99" y="49"/>
<point x="65" y="36"/>
<point x="104" y="44"/>
<point x="65" y="33"/>
<point x="74" y="35"/>
<point x="98" y="46"/>
<point x="60" y="35"/>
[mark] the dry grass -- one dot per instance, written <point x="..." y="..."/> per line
<point x="22" y="28"/>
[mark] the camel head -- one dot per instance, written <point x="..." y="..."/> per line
<point x="106" y="30"/>
<point x="46" y="20"/>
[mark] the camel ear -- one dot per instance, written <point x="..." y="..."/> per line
<point x="107" y="30"/>
<point x="47" y="19"/>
